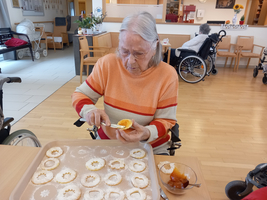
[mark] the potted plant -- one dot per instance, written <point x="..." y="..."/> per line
<point x="82" y="23"/>
<point x="89" y="25"/>
<point x="237" y="9"/>
<point x="242" y="19"/>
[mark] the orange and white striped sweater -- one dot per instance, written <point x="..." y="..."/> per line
<point x="150" y="98"/>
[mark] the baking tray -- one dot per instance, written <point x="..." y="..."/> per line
<point x="76" y="154"/>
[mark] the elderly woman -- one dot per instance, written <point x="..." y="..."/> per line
<point x="135" y="85"/>
<point x="196" y="42"/>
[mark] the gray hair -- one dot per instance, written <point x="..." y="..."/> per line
<point x="144" y="25"/>
<point x="204" y="28"/>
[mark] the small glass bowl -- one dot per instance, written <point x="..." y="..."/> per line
<point x="183" y="169"/>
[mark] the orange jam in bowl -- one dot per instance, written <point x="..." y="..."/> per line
<point x="178" y="180"/>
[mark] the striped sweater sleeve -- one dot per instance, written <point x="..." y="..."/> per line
<point x="87" y="94"/>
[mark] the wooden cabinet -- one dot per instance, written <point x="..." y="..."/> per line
<point x="174" y="4"/>
<point x="258" y="13"/>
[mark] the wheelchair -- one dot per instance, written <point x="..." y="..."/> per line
<point x="21" y="137"/>
<point x="237" y="190"/>
<point x="174" y="142"/>
<point x="193" y="66"/>
<point x="261" y="66"/>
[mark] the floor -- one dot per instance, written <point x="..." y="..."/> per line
<point x="40" y="79"/>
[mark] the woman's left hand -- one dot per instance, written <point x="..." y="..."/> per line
<point x="139" y="133"/>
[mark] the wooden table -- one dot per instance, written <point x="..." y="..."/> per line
<point x="15" y="161"/>
<point x="166" y="46"/>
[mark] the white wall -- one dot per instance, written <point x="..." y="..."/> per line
<point x="15" y="15"/>
<point x="123" y="10"/>
<point x="211" y="13"/>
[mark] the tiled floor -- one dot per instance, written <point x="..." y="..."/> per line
<point x="40" y="79"/>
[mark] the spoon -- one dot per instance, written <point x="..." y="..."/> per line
<point x="195" y="185"/>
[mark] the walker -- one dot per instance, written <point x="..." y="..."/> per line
<point x="27" y="27"/>
<point x="261" y="66"/>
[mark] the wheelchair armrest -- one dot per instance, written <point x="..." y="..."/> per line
<point x="187" y="51"/>
<point x="79" y="122"/>
<point x="175" y="133"/>
<point x="7" y="121"/>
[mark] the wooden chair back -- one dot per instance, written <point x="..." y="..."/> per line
<point x="246" y="42"/>
<point x="225" y="43"/>
<point x="60" y="29"/>
<point x="83" y="43"/>
<point x="90" y="54"/>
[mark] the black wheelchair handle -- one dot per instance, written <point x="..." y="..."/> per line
<point x="222" y="31"/>
<point x="14" y="80"/>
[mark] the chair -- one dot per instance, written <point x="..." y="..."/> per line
<point x="72" y="27"/>
<point x="87" y="54"/>
<point x="226" y="45"/>
<point x="247" y="50"/>
<point x="60" y="32"/>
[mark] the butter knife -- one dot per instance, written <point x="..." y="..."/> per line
<point x="103" y="123"/>
<point x="162" y="194"/>
<point x="113" y="125"/>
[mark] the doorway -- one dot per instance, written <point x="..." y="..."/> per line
<point x="82" y="9"/>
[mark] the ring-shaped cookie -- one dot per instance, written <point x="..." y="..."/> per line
<point x="135" y="190"/>
<point x="140" y="184"/>
<point x="54" y="166"/>
<point x="137" y="166"/>
<point x="70" y="192"/>
<point x="94" y="182"/>
<point x="54" y="152"/>
<point x="42" y="177"/>
<point x="164" y="169"/>
<point x="113" y="182"/>
<point x="65" y="176"/>
<point x="113" y="164"/>
<point x="99" y="196"/>
<point x="95" y="164"/>
<point x="138" y="153"/>
<point x="116" y="191"/>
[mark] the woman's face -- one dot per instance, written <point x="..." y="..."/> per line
<point x="135" y="52"/>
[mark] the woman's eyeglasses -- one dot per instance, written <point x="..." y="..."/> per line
<point x="137" y="55"/>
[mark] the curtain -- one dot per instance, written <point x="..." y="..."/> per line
<point x="4" y="16"/>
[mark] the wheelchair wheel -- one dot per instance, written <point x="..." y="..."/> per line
<point x="214" y="71"/>
<point x="234" y="188"/>
<point x="264" y="79"/>
<point x="255" y="72"/>
<point x="209" y="64"/>
<point x="192" y="69"/>
<point x="22" y="138"/>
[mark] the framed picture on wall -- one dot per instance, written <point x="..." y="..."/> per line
<point x="225" y="4"/>
<point x="15" y="3"/>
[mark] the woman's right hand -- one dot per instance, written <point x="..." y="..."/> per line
<point x="95" y="117"/>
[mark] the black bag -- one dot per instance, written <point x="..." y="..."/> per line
<point x="173" y="58"/>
